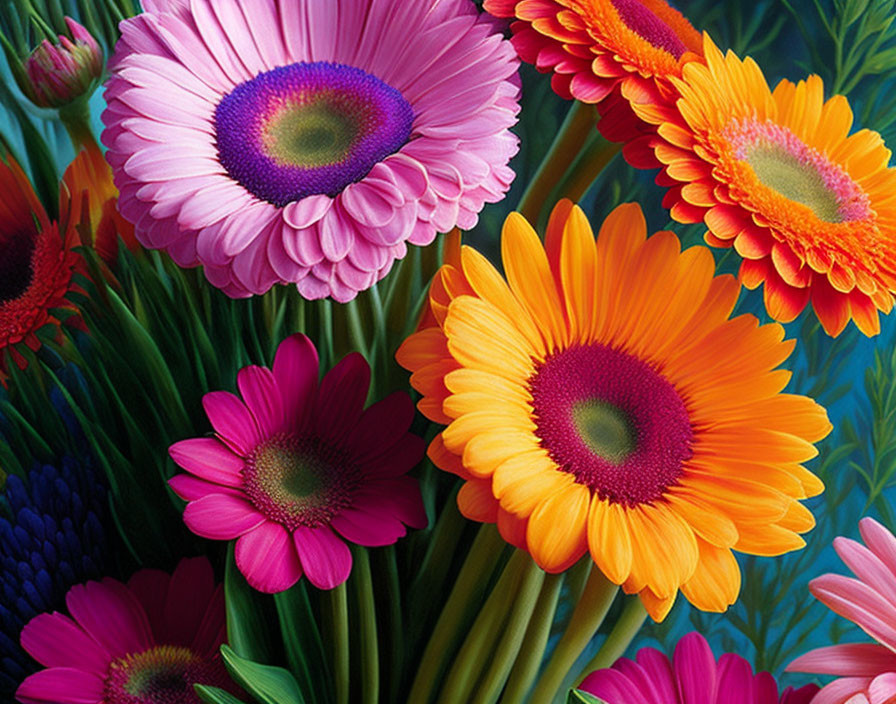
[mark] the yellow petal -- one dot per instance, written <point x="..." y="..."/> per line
<point x="556" y="534"/>
<point x="609" y="541"/>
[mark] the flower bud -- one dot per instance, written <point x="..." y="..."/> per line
<point x="56" y="74"/>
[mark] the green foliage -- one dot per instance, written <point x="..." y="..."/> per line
<point x="577" y="696"/>
<point x="213" y="695"/>
<point x="269" y="685"/>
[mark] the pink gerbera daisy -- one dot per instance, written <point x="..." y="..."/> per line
<point x="867" y="671"/>
<point x="301" y="141"/>
<point x="692" y="677"/>
<point x="145" y="642"/>
<point x="294" y="464"/>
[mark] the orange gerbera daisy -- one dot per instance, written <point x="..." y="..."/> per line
<point x="609" y="52"/>
<point x="600" y="399"/>
<point x="36" y="261"/>
<point x="811" y="210"/>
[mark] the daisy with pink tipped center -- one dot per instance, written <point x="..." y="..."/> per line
<point x="867" y="671"/>
<point x="146" y="642"/>
<point x="297" y="468"/>
<point x="307" y="142"/>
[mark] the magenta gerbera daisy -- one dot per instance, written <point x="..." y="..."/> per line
<point x="146" y="642"/>
<point x="692" y="676"/>
<point x="307" y="142"/>
<point x="296" y="469"/>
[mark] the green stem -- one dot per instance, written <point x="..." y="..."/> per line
<point x="480" y="641"/>
<point x="528" y="662"/>
<point x="587" y="166"/>
<point x="326" y="333"/>
<point x="75" y="117"/>
<point x="356" y="329"/>
<point x="370" y="665"/>
<point x="586" y="618"/>
<point x="338" y="601"/>
<point x="396" y="635"/>
<point x="579" y="122"/>
<point x="624" y="630"/>
<point x="466" y="594"/>
<point x="516" y="629"/>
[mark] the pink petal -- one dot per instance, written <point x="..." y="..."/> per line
<point x="150" y="586"/>
<point x="110" y="613"/>
<point x="881" y="542"/>
<point x="54" y="640"/>
<point x="189" y="592"/>
<point x="695" y="669"/>
<point x="190" y="488"/>
<point x="859" y="603"/>
<point x="658" y="670"/>
<point x="846" y="660"/>
<point x="341" y="397"/>
<point x="296" y="368"/>
<point x="307" y="211"/>
<point x="267" y="558"/>
<point x="259" y="390"/>
<point x="326" y="559"/>
<point x="400" y="496"/>
<point x="369" y="525"/>
<point x="61" y="685"/>
<point x="232" y="421"/>
<point x="208" y="458"/>
<point x="221" y="517"/>
<point x="839" y="691"/>
<point x="614" y="687"/>
<point x="736" y="680"/>
<point x="213" y="627"/>
<point x="883" y="689"/>
<point x="867" y="567"/>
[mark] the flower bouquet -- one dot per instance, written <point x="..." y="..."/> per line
<point x="441" y="351"/>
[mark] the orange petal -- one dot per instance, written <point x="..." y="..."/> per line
<point x="715" y="584"/>
<point x="557" y="530"/>
<point x="609" y="540"/>
<point x="476" y="502"/>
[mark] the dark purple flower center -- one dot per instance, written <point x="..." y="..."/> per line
<point x="16" y="264"/>
<point x="648" y="26"/>
<point x="308" y="128"/>
<point x="612" y="421"/>
<point x="300" y="481"/>
<point x="164" y="674"/>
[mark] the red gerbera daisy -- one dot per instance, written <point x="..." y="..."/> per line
<point x="36" y="261"/>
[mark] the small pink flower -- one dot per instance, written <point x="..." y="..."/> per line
<point x="867" y="671"/>
<point x="148" y="641"/>
<point x="692" y="677"/>
<point x="295" y="465"/>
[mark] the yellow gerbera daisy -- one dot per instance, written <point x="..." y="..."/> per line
<point x="600" y="399"/>
<point x="811" y="210"/>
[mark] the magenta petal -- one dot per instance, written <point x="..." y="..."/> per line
<point x="189" y="591"/>
<point x="341" y="398"/>
<point x="221" y="517"/>
<point x="658" y="670"/>
<point x="326" y="559"/>
<point x="382" y="424"/>
<point x="736" y="680"/>
<point x="267" y="558"/>
<point x="399" y="496"/>
<point x="209" y="459"/>
<point x="110" y="613"/>
<point x="613" y="687"/>
<point x="54" y="640"/>
<point x="695" y="669"/>
<point x="846" y="660"/>
<point x="368" y="525"/>
<point x="259" y="390"/>
<point x="62" y="685"/>
<point x="213" y="627"/>
<point x="150" y="586"/>
<point x="296" y="368"/>
<point x="232" y="421"/>
<point x="189" y="488"/>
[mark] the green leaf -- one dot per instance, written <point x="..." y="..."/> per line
<point x="213" y="695"/>
<point x="268" y="684"/>
<point x="302" y="641"/>
<point x="246" y="618"/>
<point x="577" y="696"/>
